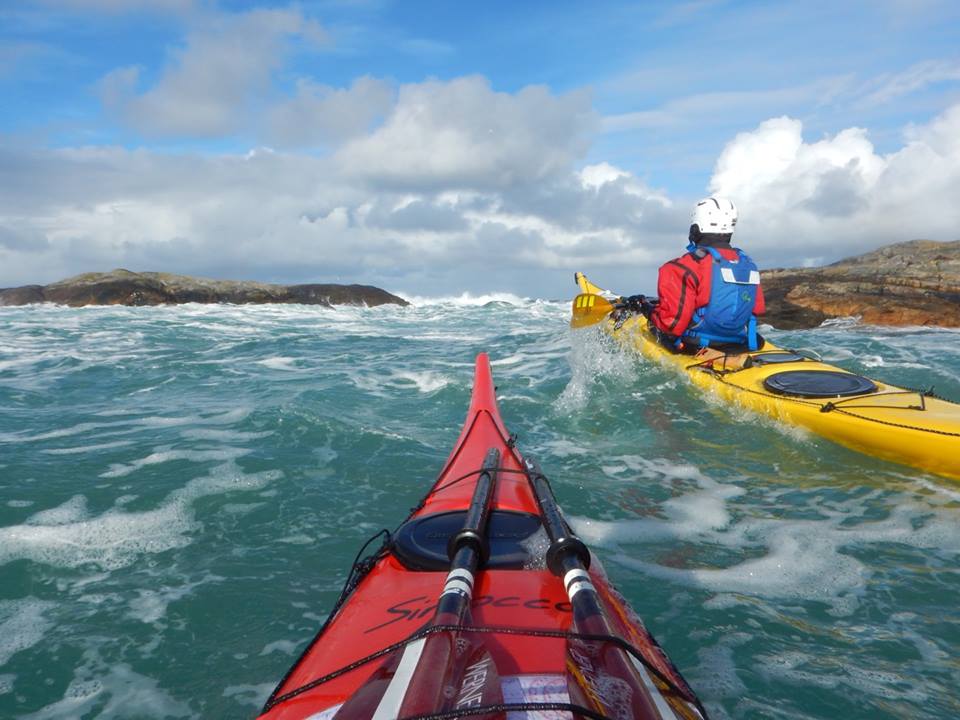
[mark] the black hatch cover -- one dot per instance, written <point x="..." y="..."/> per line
<point x="776" y="357"/>
<point x="818" y="384"/>
<point x="421" y="543"/>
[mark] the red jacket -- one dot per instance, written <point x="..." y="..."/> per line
<point x="684" y="285"/>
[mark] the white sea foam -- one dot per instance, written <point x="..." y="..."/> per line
<point x="297" y="539"/>
<point x="849" y="321"/>
<point x="154" y="387"/>
<point x="633" y="466"/>
<point x="82" y="449"/>
<point x="425" y="382"/>
<point x="23" y="623"/>
<point x="689" y="516"/>
<point x="593" y="358"/>
<point x="564" y="448"/>
<point x="509" y="360"/>
<point x="803" y="669"/>
<point x="113" y="691"/>
<point x="164" y="454"/>
<point x="73" y="510"/>
<point x="6" y="683"/>
<point x="717" y="674"/>
<point x="52" y="434"/>
<point x="287" y="647"/>
<point x="224" y="435"/>
<point x="117" y="538"/>
<point x="240" y="509"/>
<point x="228" y="417"/>
<point x="801" y="559"/>
<point x="469" y="300"/>
<point x="151" y="605"/>
<point x="280" y="363"/>
<point x="252" y="695"/>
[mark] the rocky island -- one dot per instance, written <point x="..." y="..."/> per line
<point x="122" y="287"/>
<point x="909" y="283"/>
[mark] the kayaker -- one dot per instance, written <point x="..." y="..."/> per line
<point x="711" y="295"/>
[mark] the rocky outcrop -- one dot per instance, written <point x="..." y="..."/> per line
<point x="122" y="287"/>
<point x="909" y="283"/>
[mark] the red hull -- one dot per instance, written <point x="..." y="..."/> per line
<point x="393" y="601"/>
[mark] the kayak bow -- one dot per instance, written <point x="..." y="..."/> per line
<point x="482" y="603"/>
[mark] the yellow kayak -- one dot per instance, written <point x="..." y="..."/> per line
<point x="906" y="426"/>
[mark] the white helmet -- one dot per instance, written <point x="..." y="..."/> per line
<point x="715" y="215"/>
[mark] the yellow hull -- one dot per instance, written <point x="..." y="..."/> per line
<point x="892" y="423"/>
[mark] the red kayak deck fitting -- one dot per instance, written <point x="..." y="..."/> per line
<point x="483" y="604"/>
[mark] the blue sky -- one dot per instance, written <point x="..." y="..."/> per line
<point x="379" y="136"/>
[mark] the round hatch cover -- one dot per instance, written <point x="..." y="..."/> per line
<point x="776" y="357"/>
<point x="421" y="543"/>
<point x="818" y="384"/>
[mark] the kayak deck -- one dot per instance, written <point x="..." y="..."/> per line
<point x="520" y="613"/>
<point x="906" y="426"/>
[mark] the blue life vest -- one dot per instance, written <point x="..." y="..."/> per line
<point x="728" y="317"/>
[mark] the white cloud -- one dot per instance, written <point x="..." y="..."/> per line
<point x="287" y="217"/>
<point x="838" y="195"/>
<point x="321" y="115"/>
<point x="211" y="83"/>
<point x="462" y="134"/>
<point x="891" y="86"/>
<point x="690" y="111"/>
<point x="459" y="188"/>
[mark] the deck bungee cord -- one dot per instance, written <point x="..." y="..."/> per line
<point x="685" y="693"/>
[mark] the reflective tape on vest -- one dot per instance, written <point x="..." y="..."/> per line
<point x="728" y="276"/>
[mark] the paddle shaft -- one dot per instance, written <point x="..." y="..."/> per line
<point x="569" y="559"/>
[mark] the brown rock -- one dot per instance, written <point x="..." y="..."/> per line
<point x="122" y="287"/>
<point x="21" y="295"/>
<point x="909" y="283"/>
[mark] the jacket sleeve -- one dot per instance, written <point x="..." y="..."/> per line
<point x="760" y="307"/>
<point x="677" y="291"/>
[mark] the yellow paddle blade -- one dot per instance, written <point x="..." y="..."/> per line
<point x="589" y="309"/>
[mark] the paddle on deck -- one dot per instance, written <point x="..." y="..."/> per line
<point x="443" y="671"/>
<point x="604" y="676"/>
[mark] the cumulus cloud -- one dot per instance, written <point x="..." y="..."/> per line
<point x="320" y="115"/>
<point x="212" y="81"/>
<point x="463" y="134"/>
<point x="289" y="217"/>
<point x="456" y="187"/>
<point x="839" y="194"/>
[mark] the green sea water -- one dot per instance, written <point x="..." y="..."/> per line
<point x="183" y="489"/>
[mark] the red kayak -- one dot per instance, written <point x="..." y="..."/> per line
<point x="483" y="604"/>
